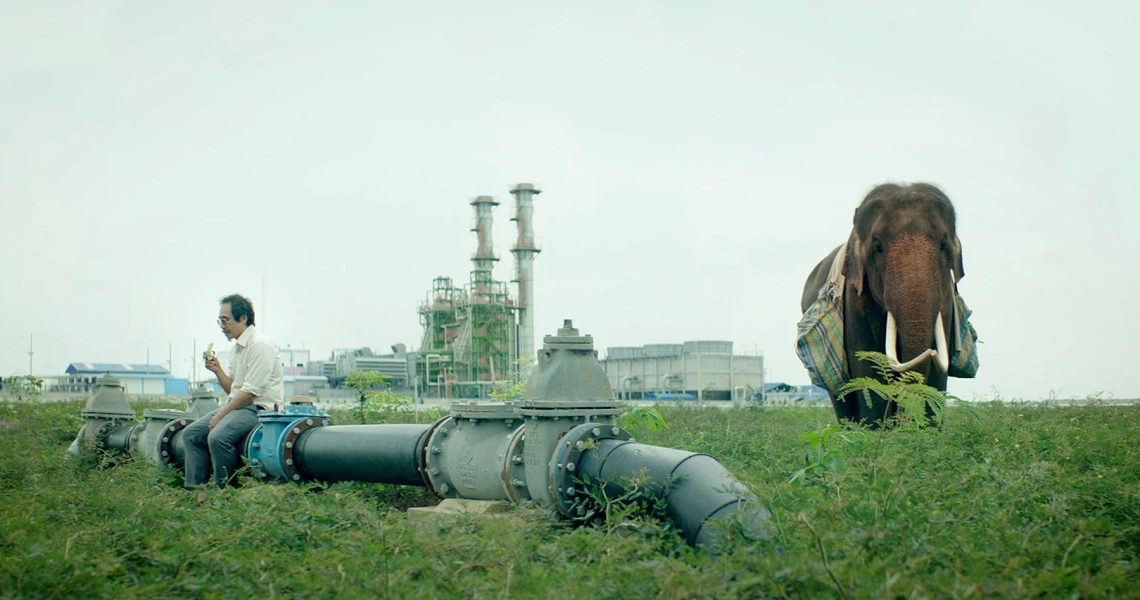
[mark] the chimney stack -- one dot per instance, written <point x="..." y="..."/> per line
<point x="525" y="251"/>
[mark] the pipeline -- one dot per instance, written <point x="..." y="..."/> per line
<point x="288" y="445"/>
<point x="558" y="447"/>
<point x="371" y="453"/>
<point x="109" y="424"/>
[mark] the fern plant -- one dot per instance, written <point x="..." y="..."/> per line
<point x="908" y="390"/>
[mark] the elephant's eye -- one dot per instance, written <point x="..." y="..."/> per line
<point x="876" y="247"/>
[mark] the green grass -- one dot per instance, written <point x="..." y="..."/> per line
<point x="1002" y="501"/>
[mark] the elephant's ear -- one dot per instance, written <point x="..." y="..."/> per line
<point x="959" y="272"/>
<point x="853" y="264"/>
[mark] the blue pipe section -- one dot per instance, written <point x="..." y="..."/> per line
<point x="270" y="446"/>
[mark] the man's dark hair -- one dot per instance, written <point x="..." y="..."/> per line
<point x="240" y="306"/>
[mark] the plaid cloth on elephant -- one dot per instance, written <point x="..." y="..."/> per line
<point x="819" y="334"/>
<point x="964" y="362"/>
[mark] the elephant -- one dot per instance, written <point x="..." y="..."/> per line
<point x="900" y="269"/>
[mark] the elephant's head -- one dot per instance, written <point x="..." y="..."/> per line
<point x="904" y="258"/>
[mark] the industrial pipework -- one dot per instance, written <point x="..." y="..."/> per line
<point x="109" y="423"/>
<point x="557" y="448"/>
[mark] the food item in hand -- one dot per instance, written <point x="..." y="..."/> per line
<point x="209" y="354"/>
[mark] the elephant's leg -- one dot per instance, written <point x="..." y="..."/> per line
<point x="864" y="327"/>
<point x="846" y="408"/>
<point x="937" y="380"/>
<point x="879" y="411"/>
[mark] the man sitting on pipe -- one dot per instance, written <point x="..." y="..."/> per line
<point x="257" y="384"/>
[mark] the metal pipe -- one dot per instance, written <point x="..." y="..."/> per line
<point x="698" y="490"/>
<point x="178" y="449"/>
<point x="118" y="440"/>
<point x="372" y="453"/>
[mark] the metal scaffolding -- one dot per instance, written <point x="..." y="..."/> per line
<point x="482" y="350"/>
<point x="470" y="337"/>
<point x="441" y="327"/>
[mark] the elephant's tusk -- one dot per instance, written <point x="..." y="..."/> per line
<point x="910" y="364"/>
<point x="892" y="338"/>
<point x="941" y="352"/>
<point x="892" y="348"/>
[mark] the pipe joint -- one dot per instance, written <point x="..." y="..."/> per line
<point x="153" y="439"/>
<point x="270" y="446"/>
<point x="202" y="401"/>
<point x="567" y="389"/>
<point x="565" y="481"/>
<point x="465" y="451"/>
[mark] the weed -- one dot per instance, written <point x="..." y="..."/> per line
<point x="23" y="388"/>
<point x="376" y="406"/>
<point x="828" y="452"/>
<point x="513" y="386"/>
<point x="645" y="418"/>
<point x="612" y="504"/>
<point x="920" y="403"/>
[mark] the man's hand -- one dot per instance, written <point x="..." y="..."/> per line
<point x="215" y="420"/>
<point x="213" y="365"/>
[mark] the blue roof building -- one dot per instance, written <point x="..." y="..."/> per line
<point x="116" y="369"/>
<point x="136" y="378"/>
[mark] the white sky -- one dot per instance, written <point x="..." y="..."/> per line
<point x="696" y="158"/>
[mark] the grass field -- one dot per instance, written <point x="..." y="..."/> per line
<point x="1003" y="501"/>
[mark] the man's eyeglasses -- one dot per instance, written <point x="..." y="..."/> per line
<point x="223" y="320"/>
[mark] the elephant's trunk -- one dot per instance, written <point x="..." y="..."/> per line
<point x="916" y="317"/>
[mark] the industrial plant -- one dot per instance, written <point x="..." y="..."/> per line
<point x="474" y="334"/>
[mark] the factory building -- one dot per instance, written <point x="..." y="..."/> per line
<point x="705" y="370"/>
<point x="136" y="379"/>
<point x="474" y="334"/>
<point x="342" y="362"/>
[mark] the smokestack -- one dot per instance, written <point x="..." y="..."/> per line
<point x="484" y="257"/>
<point x="525" y="251"/>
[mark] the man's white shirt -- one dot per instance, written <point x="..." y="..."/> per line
<point x="257" y="369"/>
